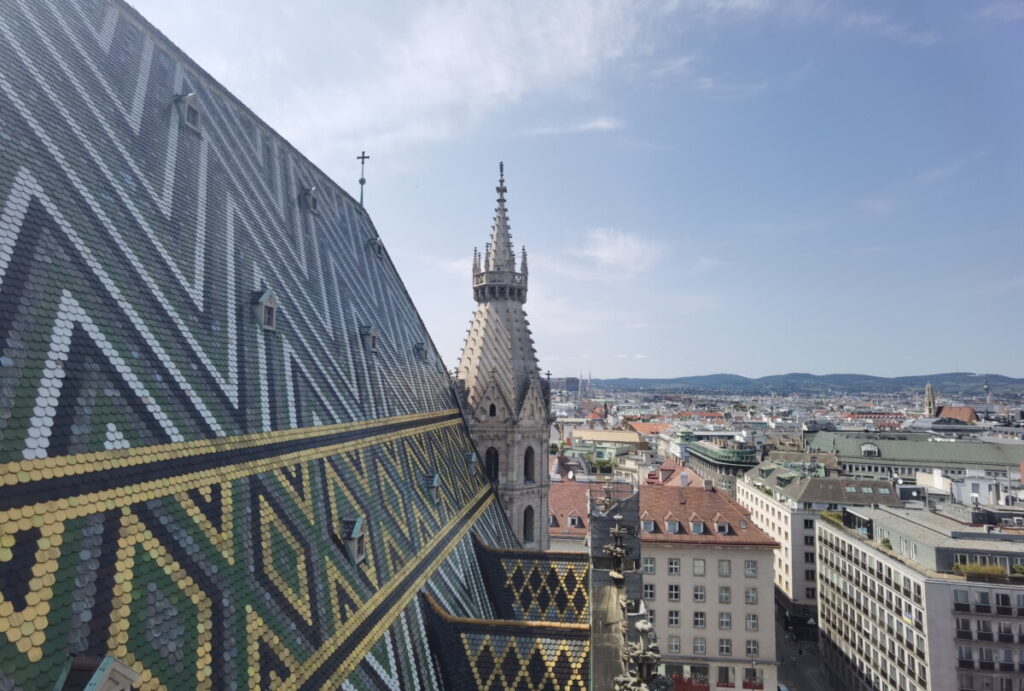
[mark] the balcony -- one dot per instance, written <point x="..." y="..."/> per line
<point x="965" y="664"/>
<point x="1006" y="638"/>
<point x="984" y="635"/>
<point x="963" y="635"/>
<point x="1006" y="666"/>
<point x="1005" y="611"/>
<point x="961" y="607"/>
<point x="983" y="609"/>
<point x="986" y="664"/>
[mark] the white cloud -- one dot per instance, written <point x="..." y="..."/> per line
<point x="599" y="124"/>
<point x="1007" y="11"/>
<point x="415" y="71"/>
<point x="880" y="26"/>
<point x="878" y="206"/>
<point x="608" y="248"/>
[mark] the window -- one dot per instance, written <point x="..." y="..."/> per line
<point x="724" y="568"/>
<point x="698" y="593"/>
<point x="188" y="110"/>
<point x="673" y="617"/>
<point x="753" y="649"/>
<point x="648" y="591"/>
<point x="808" y="524"/>
<point x="809" y="574"/>
<point x="650" y="617"/>
<point x="983" y="597"/>
<point x="528" y="524"/>
<point x="809" y="540"/>
<point x="960" y="596"/>
<point x="750" y="568"/>
<point x="725" y="620"/>
<point x="552" y="519"/>
<point x="575" y="522"/>
<point x="648" y="564"/>
<point x="808" y="557"/>
<point x="491" y="464"/>
<point x="673" y="644"/>
<point x="750" y="596"/>
<point x="811" y="593"/>
<point x="698" y="567"/>
<point x="965" y="652"/>
<point x="751" y="622"/>
<point x="493" y="410"/>
<point x="673" y="592"/>
<point x="528" y="465"/>
<point x="698" y="620"/>
<point x="673" y="566"/>
<point x="724" y="594"/>
<point x="266" y="310"/>
<point x="648" y="526"/>
<point x="722" y="528"/>
<point x="870" y="451"/>
<point x="724" y="649"/>
<point x="696" y="527"/>
<point x="700" y="646"/>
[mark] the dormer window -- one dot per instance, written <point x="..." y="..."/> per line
<point x="870" y="451"/>
<point x="552" y="520"/>
<point x="697" y="527"/>
<point x="420" y="351"/>
<point x="266" y="310"/>
<point x="354" y="539"/>
<point x="722" y="528"/>
<point x="370" y="336"/>
<point x="672" y="527"/>
<point x="434" y="487"/>
<point x="648" y="526"/>
<point x="376" y="246"/>
<point x="309" y="200"/>
<point x="188" y="110"/>
<point x="575" y="522"/>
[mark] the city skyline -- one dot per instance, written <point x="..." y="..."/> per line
<point x="752" y="187"/>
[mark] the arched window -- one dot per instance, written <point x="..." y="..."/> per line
<point x="491" y="464"/>
<point x="528" y="465"/>
<point x="870" y="451"/>
<point x="493" y="411"/>
<point x="528" y="524"/>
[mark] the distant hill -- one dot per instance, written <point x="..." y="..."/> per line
<point x="950" y="383"/>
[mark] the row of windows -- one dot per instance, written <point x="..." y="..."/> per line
<point x="700" y="593"/>
<point x="491" y="462"/>
<point x="700" y="646"/>
<point x="700" y="567"/>
<point x="700" y="620"/>
<point x="985" y="682"/>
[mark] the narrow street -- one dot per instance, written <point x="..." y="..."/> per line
<point x="800" y="665"/>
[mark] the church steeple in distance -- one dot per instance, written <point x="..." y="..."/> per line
<point x="502" y="394"/>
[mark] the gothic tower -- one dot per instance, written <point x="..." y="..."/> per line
<point x="929" y="401"/>
<point x="504" y="399"/>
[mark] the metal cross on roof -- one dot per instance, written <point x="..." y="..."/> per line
<point x="362" y="177"/>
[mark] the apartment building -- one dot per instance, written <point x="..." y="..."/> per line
<point x="784" y="499"/>
<point x="902" y="605"/>
<point x="707" y="588"/>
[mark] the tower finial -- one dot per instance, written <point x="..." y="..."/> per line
<point x="362" y="174"/>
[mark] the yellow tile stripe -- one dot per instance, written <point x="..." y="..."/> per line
<point x="118" y="497"/>
<point x="16" y="472"/>
<point x="388" y="593"/>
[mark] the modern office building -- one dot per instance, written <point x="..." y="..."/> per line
<point x="908" y="601"/>
<point x="784" y="501"/>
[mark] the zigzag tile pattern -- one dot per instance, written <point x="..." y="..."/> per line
<point x="536" y="586"/>
<point x="175" y="480"/>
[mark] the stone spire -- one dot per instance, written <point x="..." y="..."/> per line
<point x="929" y="401"/>
<point x="522" y="263"/>
<point x="501" y="256"/>
<point x="504" y="400"/>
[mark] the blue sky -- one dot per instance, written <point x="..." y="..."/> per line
<point x="747" y="186"/>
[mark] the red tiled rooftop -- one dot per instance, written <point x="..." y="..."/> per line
<point x="568" y="498"/>
<point x="648" y="428"/>
<point x="663" y="503"/>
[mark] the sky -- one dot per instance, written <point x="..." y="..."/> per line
<point x="745" y="186"/>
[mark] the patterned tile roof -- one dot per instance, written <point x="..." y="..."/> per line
<point x="217" y="495"/>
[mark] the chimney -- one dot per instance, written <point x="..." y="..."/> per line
<point x="709" y="485"/>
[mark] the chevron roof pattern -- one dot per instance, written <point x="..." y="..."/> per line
<point x="217" y="495"/>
